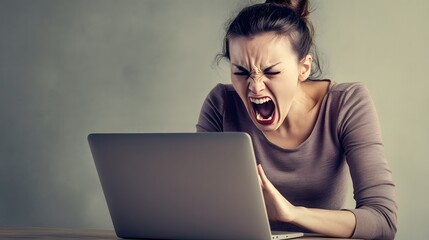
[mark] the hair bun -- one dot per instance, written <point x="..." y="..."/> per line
<point x="300" y="7"/>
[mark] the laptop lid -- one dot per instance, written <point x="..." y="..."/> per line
<point x="181" y="185"/>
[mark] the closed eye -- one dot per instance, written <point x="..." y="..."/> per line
<point x="242" y="73"/>
<point x="271" y="73"/>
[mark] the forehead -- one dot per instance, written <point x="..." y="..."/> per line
<point x="264" y="47"/>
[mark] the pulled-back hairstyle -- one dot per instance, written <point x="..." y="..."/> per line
<point x="284" y="17"/>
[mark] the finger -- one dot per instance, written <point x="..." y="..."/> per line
<point x="264" y="179"/>
<point x="259" y="176"/>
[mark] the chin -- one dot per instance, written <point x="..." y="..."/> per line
<point x="266" y="129"/>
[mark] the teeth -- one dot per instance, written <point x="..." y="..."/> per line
<point x="260" y="100"/>
<point x="259" y="117"/>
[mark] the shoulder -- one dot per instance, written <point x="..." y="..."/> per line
<point x="219" y="97"/>
<point x="349" y="103"/>
<point x="347" y="88"/>
<point x="221" y="93"/>
<point x="218" y="102"/>
<point x="353" y="106"/>
<point x="346" y="95"/>
<point x="222" y="89"/>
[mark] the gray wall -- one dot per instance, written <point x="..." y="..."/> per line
<point x="68" y="68"/>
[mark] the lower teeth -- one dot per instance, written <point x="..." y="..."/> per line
<point x="259" y="117"/>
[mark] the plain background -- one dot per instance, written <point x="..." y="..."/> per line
<point x="69" y="68"/>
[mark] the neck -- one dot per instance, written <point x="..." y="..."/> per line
<point x="303" y="107"/>
<point x="301" y="116"/>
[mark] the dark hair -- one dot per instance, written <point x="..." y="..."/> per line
<point x="286" y="18"/>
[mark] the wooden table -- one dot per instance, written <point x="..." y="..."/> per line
<point x="55" y="233"/>
<point x="66" y="233"/>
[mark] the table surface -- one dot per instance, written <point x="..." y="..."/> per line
<point x="66" y="233"/>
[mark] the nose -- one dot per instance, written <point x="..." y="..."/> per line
<point x="256" y="85"/>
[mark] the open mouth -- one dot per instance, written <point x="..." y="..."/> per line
<point x="263" y="108"/>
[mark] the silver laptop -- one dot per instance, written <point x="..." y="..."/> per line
<point x="182" y="186"/>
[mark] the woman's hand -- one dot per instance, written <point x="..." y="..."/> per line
<point x="334" y="223"/>
<point x="278" y="207"/>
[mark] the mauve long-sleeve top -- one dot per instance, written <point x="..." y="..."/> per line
<point x="345" y="141"/>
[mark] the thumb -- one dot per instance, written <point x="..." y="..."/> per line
<point x="265" y="182"/>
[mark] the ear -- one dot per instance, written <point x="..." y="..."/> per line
<point x="305" y="67"/>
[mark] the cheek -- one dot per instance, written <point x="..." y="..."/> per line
<point x="284" y="89"/>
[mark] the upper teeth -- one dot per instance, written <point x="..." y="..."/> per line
<point x="260" y="100"/>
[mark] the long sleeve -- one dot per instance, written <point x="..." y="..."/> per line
<point x="374" y="190"/>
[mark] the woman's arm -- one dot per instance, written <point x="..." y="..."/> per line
<point x="335" y="223"/>
<point x="374" y="191"/>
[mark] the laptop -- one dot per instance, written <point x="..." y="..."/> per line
<point x="182" y="186"/>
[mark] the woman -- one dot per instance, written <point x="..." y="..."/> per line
<point x="308" y="134"/>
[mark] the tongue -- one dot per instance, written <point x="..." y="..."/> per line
<point x="265" y="109"/>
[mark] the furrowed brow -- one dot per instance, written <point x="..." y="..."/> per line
<point x="271" y="67"/>
<point x="241" y="68"/>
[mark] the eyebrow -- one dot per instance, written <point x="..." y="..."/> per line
<point x="245" y="70"/>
